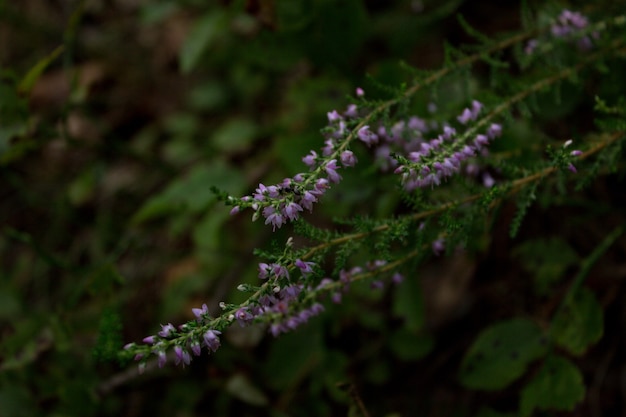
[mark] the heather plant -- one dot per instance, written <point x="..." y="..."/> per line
<point x="452" y="163"/>
<point x="347" y="248"/>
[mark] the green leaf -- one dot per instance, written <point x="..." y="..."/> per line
<point x="240" y="387"/>
<point x="206" y="30"/>
<point x="547" y="260"/>
<point x="191" y="193"/>
<point x="409" y="346"/>
<point x="501" y="354"/>
<point x="31" y="77"/>
<point x="235" y="135"/>
<point x="558" y="386"/>
<point x="293" y="356"/>
<point x="579" y="323"/>
<point x="408" y="304"/>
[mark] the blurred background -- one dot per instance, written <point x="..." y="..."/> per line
<point x="116" y="118"/>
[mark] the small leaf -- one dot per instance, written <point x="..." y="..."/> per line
<point x="409" y="346"/>
<point x="235" y="135"/>
<point x="579" y="323"/>
<point x="239" y="386"/>
<point x="205" y="31"/>
<point x="408" y="304"/>
<point x="31" y="77"/>
<point x="558" y="386"/>
<point x="501" y="354"/>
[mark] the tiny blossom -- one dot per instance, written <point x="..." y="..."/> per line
<point x="167" y="330"/>
<point x="348" y="159"/>
<point x="181" y="355"/>
<point x="211" y="340"/>
<point x="367" y="136"/>
<point x="351" y="111"/>
<point x="397" y="278"/>
<point x="576" y="152"/>
<point x="438" y="246"/>
<point x="305" y="267"/>
<point x="200" y="312"/>
<point x="234" y="210"/>
<point x="264" y="270"/>
<point x="149" y="340"/>
<point x="494" y="131"/>
<point x="330" y="168"/>
<point x="310" y="159"/>
<point x="377" y="285"/>
<point x="162" y="358"/>
<point x="572" y="168"/>
<point x="360" y="92"/>
<point x="333" y="116"/>
<point x="291" y="210"/>
<point x="488" y="180"/>
<point x="196" y="348"/>
<point x="465" y="117"/>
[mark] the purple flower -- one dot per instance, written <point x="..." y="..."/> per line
<point x="305" y="267"/>
<point x="333" y="116"/>
<point x="243" y="316"/>
<point x="211" y="340"/>
<point x="348" y="159"/>
<point x="181" y="356"/>
<point x="397" y="278"/>
<point x="167" y="330"/>
<point x="149" y="340"/>
<point x="330" y="168"/>
<point x="351" y="111"/>
<point x="572" y="168"/>
<point x="195" y="348"/>
<point x="291" y="210"/>
<point x="162" y="358"/>
<point x="264" y="270"/>
<point x="201" y="312"/>
<point x="488" y="180"/>
<point x="438" y="246"/>
<point x="480" y="141"/>
<point x="307" y="200"/>
<point x="234" y="210"/>
<point x="280" y="271"/>
<point x="360" y="92"/>
<point x="477" y="106"/>
<point x="272" y="217"/>
<point x="494" y="131"/>
<point x="367" y="136"/>
<point x="465" y="117"/>
<point x="576" y="152"/>
<point x="310" y="159"/>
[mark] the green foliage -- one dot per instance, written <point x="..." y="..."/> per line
<point x="579" y="323"/>
<point x="557" y="386"/>
<point x="117" y="146"/>
<point x="501" y="354"/>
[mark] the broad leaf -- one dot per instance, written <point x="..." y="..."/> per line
<point x="558" y="386"/>
<point x="501" y="354"/>
<point x="579" y="323"/>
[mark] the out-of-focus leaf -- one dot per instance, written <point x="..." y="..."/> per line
<point x="235" y="134"/>
<point x="28" y="81"/>
<point x="409" y="346"/>
<point x="17" y="401"/>
<point x="408" y="304"/>
<point x="501" y="354"/>
<point x="191" y="192"/>
<point x="558" y="386"/>
<point x="204" y="32"/>
<point x="240" y="387"/>
<point x="547" y="260"/>
<point x="294" y="355"/>
<point x="579" y="323"/>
